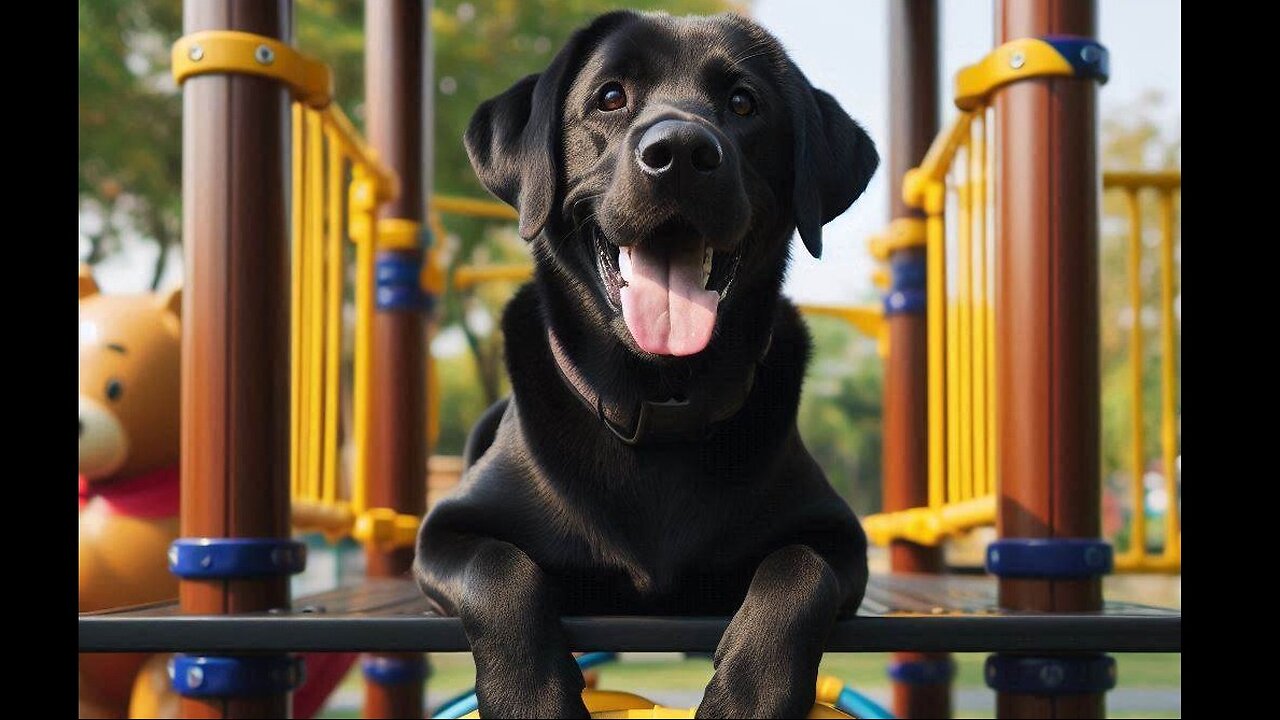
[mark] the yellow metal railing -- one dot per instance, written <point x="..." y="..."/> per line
<point x="960" y="338"/>
<point x="1165" y="185"/>
<point x="338" y="185"/>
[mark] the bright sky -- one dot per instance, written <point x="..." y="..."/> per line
<point x="842" y="47"/>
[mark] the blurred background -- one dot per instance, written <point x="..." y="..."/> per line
<point x="130" y="210"/>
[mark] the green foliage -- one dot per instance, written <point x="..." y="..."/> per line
<point x="130" y="130"/>
<point x="840" y="411"/>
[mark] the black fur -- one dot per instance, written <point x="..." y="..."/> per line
<point x="555" y="515"/>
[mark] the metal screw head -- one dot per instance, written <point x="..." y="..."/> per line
<point x="1052" y="675"/>
<point x="1089" y="53"/>
<point x="195" y="53"/>
<point x="173" y="556"/>
<point x="1017" y="60"/>
<point x="206" y="560"/>
<point x="264" y="55"/>
<point x="195" y="677"/>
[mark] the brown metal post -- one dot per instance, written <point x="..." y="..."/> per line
<point x="1047" y="323"/>
<point x="395" y="62"/>
<point x="235" y="325"/>
<point x="922" y="685"/>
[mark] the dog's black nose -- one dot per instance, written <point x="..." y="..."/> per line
<point x="670" y="142"/>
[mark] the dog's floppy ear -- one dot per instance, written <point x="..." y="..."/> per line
<point x="834" y="161"/>
<point x="513" y="139"/>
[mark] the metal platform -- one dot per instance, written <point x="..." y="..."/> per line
<point x="900" y="612"/>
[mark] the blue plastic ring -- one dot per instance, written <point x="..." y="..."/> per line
<point x="901" y="302"/>
<point x="1051" y="675"/>
<point x="403" y="297"/>
<point x="1088" y="58"/>
<point x="1050" y="558"/>
<point x="398" y="269"/>
<point x="206" y="558"/>
<point x="909" y="273"/>
<point x="923" y="672"/>
<point x="393" y="670"/>
<point x="200" y="676"/>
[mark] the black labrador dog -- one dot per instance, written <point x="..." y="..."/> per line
<point x="648" y="461"/>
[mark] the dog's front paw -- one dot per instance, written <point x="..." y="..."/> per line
<point x="535" y="691"/>
<point x="735" y="691"/>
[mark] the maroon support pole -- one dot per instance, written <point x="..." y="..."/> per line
<point x="395" y="66"/>
<point x="235" y="324"/>
<point x="1047" y="323"/>
<point x="922" y="686"/>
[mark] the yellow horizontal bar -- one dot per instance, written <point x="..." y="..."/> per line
<point x="868" y="318"/>
<point x="1162" y="179"/>
<point x="399" y="234"/>
<point x="933" y="169"/>
<point x="1015" y="60"/>
<point x="467" y="276"/>
<point x="929" y="526"/>
<point x="903" y="233"/>
<point x="230" y="51"/>
<point x="385" y="181"/>
<point x="472" y="207"/>
<point x="385" y="529"/>
<point x="334" y="517"/>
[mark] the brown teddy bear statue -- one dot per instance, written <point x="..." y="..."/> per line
<point x="130" y="351"/>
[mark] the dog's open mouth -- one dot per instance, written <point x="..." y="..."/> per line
<point x="668" y="286"/>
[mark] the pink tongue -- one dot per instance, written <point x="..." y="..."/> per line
<point x="663" y="303"/>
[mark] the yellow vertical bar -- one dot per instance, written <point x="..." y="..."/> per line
<point x="295" y="302"/>
<point x="1138" y="524"/>
<point x="952" y="337"/>
<point x="1168" y="369"/>
<point x="363" y="204"/>
<point x="989" y="311"/>
<point x="964" y="294"/>
<point x="333" y="323"/>
<point x="935" y="235"/>
<point x="315" y="304"/>
<point x="977" y="181"/>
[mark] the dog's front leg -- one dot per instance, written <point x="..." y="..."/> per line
<point x="766" y="665"/>
<point x="523" y="665"/>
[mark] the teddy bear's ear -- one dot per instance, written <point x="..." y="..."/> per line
<point x="171" y="300"/>
<point x="87" y="284"/>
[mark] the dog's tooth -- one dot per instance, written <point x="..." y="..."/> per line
<point x="624" y="264"/>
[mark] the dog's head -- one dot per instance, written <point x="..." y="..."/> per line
<point x="663" y="163"/>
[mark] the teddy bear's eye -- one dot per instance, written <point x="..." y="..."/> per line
<point x="115" y="389"/>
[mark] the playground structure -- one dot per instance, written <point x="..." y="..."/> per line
<point x="261" y="399"/>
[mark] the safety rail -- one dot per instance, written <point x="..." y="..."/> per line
<point x="960" y="338"/>
<point x="1165" y="185"/>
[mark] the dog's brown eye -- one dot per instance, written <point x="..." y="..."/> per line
<point x="612" y="97"/>
<point x="741" y="103"/>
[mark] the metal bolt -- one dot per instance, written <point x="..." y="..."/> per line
<point x="1052" y="675"/>
<point x="1017" y="60"/>
<point x="173" y="556"/>
<point x="1093" y="557"/>
<point x="196" y="53"/>
<point x="1090" y="53"/>
<point x="195" y="677"/>
<point x="206" y="561"/>
<point x="264" y="55"/>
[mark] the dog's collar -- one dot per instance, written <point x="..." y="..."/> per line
<point x="675" y="419"/>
